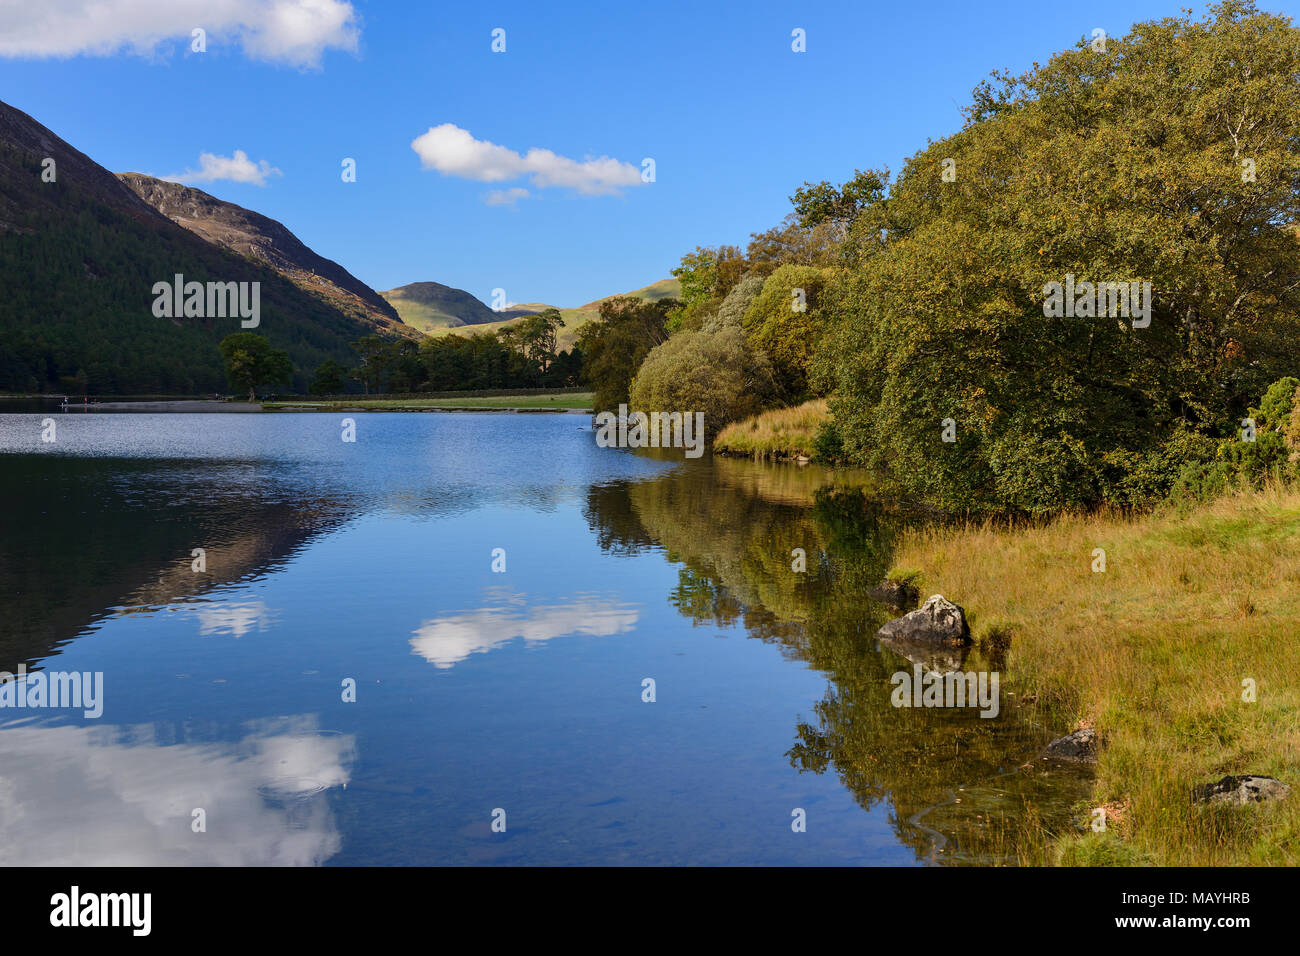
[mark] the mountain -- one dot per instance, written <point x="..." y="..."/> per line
<point x="432" y="306"/>
<point x="438" y="309"/>
<point x="79" y="257"/>
<point x="254" y="236"/>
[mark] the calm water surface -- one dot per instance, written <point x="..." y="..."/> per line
<point x="475" y="690"/>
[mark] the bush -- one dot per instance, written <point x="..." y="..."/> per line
<point x="736" y="304"/>
<point x="715" y="373"/>
<point x="828" y="446"/>
<point x="1231" y="462"/>
<point x="788" y="337"/>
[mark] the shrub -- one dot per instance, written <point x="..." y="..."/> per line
<point x="715" y="373"/>
<point x="736" y="304"/>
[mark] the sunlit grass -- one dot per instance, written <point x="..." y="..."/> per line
<point x="779" y="433"/>
<point x="1153" y="652"/>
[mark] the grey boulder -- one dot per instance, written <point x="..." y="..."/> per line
<point x="1242" y="789"/>
<point x="936" y="623"/>
<point x="1078" y="747"/>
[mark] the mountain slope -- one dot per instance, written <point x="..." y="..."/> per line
<point x="439" y="312"/>
<point x="432" y="305"/>
<point x="79" y="257"/>
<point x="250" y="234"/>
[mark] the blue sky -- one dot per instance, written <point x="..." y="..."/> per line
<point x="733" y="119"/>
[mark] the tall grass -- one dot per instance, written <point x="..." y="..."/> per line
<point x="1154" y="652"/>
<point x="779" y="433"/>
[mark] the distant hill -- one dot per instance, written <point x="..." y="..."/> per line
<point x="257" y="237"/>
<point x="432" y="307"/>
<point x="439" y="310"/>
<point x="78" y="260"/>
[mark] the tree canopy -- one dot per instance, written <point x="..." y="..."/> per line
<point x="252" y="363"/>
<point x="1169" y="157"/>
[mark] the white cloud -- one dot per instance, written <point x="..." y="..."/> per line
<point x="506" y="197"/>
<point x="453" y="151"/>
<point x="124" y="795"/>
<point x="235" y="618"/>
<point x="236" y="169"/>
<point x="446" y="641"/>
<point x="289" y="31"/>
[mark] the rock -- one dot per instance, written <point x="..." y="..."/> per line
<point x="1078" y="747"/>
<point x="1240" y="790"/>
<point x="944" y="660"/>
<point x="895" y="594"/>
<point x="937" y="622"/>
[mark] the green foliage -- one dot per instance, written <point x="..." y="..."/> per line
<point x="1291" y="429"/>
<point x="330" y="378"/>
<point x="715" y="373"/>
<point x="731" y="312"/>
<point x="1119" y="166"/>
<point x="376" y="360"/>
<point x="828" y="446"/>
<point x="786" y="334"/>
<point x="815" y="203"/>
<point x="534" y="337"/>
<point x="614" y="345"/>
<point x="252" y="363"/>
<point x="1277" y="405"/>
<point x="1237" y="460"/>
<point x="694" y="317"/>
<point x="709" y="273"/>
<point x="794" y="243"/>
<point x="520" y="356"/>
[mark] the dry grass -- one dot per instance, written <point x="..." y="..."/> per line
<point x="780" y="433"/>
<point x="1154" y="652"/>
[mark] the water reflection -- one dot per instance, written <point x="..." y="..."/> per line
<point x="89" y="538"/>
<point x="235" y="618"/>
<point x="355" y="559"/>
<point x="447" y="640"/>
<point x="731" y="527"/>
<point x="126" y="796"/>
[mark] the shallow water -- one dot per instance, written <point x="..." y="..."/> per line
<point x="476" y="691"/>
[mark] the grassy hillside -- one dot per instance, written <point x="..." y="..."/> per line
<point x="438" y="318"/>
<point x="1153" y="652"/>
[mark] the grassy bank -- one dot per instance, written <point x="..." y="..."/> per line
<point x="778" y="434"/>
<point x="1153" y="652"/>
<point x="572" y="401"/>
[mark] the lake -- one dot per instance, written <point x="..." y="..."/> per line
<point x="388" y="650"/>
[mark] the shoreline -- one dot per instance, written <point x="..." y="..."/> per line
<point x="1174" y="609"/>
<point x="295" y="407"/>
<point x="179" y="405"/>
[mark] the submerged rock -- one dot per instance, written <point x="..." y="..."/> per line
<point x="1078" y="747"/>
<point x="895" y="593"/>
<point x="937" y="622"/>
<point x="1241" y="789"/>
